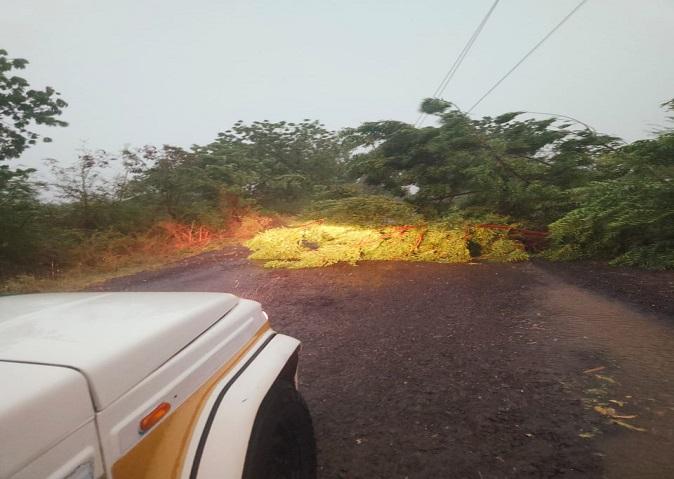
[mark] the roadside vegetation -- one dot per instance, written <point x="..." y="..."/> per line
<point x="302" y="195"/>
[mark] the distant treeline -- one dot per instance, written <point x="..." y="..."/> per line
<point x="600" y="198"/>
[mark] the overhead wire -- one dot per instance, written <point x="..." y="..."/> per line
<point x="459" y="59"/>
<point x="528" y="54"/>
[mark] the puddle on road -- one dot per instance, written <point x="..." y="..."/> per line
<point x="636" y="351"/>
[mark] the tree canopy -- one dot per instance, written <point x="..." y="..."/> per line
<point x="520" y="168"/>
<point x="22" y="107"/>
<point x="600" y="198"/>
<point x="275" y="163"/>
<point x="626" y="214"/>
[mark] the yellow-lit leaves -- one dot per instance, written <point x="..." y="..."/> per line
<point x="317" y="244"/>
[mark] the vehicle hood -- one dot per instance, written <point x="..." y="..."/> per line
<point x="114" y="339"/>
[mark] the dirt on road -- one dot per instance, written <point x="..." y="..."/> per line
<point x="479" y="371"/>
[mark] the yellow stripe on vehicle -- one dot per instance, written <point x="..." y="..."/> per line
<point x="161" y="454"/>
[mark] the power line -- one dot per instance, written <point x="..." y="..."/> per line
<point x="459" y="59"/>
<point x="528" y="54"/>
<point x="450" y="74"/>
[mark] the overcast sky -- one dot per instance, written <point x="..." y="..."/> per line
<point x="175" y="71"/>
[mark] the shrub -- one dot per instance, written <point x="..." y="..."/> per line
<point x="444" y="246"/>
<point x="625" y="222"/>
<point x="366" y="210"/>
<point x="494" y="245"/>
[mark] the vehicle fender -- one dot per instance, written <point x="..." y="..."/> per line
<point x="220" y="440"/>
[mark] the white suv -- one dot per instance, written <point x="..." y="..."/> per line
<point x="148" y="385"/>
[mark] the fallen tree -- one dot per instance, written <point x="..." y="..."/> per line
<point x="318" y="244"/>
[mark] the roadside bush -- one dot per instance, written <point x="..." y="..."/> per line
<point x="494" y="245"/>
<point x="483" y="242"/>
<point x="626" y="217"/>
<point x="626" y="222"/>
<point x="365" y="210"/>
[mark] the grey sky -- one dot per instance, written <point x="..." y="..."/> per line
<point x="152" y="72"/>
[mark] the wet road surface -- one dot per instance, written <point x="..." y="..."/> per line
<point x="463" y="371"/>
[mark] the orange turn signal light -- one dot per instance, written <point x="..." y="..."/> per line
<point x="154" y="417"/>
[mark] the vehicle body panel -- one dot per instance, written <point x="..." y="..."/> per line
<point x="220" y="456"/>
<point x="75" y="457"/>
<point x="83" y="379"/>
<point x="184" y="382"/>
<point x="115" y="339"/>
<point x="39" y="393"/>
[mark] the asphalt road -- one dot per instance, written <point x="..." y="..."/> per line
<point x="468" y="371"/>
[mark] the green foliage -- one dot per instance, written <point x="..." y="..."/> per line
<point x="35" y="237"/>
<point x="84" y="188"/>
<point x="432" y="106"/>
<point x="383" y="191"/>
<point x="174" y="184"/>
<point x="22" y="107"/>
<point x="20" y="217"/>
<point x="520" y="168"/>
<point x="313" y="246"/>
<point x="278" y="165"/>
<point x="324" y="245"/>
<point x="442" y="246"/>
<point x="629" y="221"/>
<point x="494" y="245"/>
<point x="657" y="256"/>
<point x="487" y="243"/>
<point x="319" y="245"/>
<point x="372" y="210"/>
<point x="628" y="216"/>
<point x="25" y="220"/>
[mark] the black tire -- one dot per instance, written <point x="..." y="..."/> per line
<point x="282" y="444"/>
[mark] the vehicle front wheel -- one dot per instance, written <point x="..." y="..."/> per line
<point x="282" y="444"/>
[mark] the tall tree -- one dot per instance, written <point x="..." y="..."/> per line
<point x="172" y="182"/>
<point x="519" y="168"/>
<point x="84" y="187"/>
<point x="275" y="164"/>
<point x="21" y="219"/>
<point x="22" y="107"/>
<point x="627" y="214"/>
<point x="21" y="213"/>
